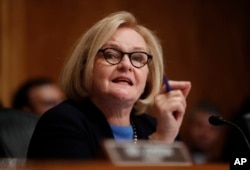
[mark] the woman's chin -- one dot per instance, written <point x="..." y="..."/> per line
<point x="124" y="97"/>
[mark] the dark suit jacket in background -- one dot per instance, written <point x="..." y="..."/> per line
<point x="76" y="131"/>
<point x="16" y="129"/>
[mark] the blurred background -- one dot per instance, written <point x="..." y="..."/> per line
<point x="204" y="41"/>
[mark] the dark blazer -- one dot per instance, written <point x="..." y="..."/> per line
<point x="76" y="130"/>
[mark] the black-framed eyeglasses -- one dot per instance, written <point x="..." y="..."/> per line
<point x="137" y="58"/>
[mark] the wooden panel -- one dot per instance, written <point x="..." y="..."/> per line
<point x="96" y="165"/>
<point x="12" y="55"/>
<point x="203" y="41"/>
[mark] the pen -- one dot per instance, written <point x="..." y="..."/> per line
<point x="168" y="88"/>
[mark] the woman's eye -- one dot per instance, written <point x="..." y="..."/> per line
<point x="137" y="58"/>
<point x="112" y="56"/>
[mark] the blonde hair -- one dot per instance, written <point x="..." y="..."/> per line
<point x="77" y="74"/>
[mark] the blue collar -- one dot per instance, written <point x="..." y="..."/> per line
<point x="122" y="132"/>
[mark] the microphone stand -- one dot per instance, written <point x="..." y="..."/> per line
<point x="217" y="121"/>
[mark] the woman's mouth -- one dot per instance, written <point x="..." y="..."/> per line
<point x="122" y="80"/>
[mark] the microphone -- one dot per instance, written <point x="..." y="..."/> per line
<point x="218" y="121"/>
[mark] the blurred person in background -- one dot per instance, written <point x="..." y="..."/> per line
<point x="202" y="137"/>
<point x="37" y="95"/>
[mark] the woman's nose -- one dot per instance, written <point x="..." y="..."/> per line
<point x="125" y="63"/>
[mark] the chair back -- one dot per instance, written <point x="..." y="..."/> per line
<point x="16" y="129"/>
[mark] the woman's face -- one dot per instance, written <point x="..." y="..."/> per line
<point x="122" y="82"/>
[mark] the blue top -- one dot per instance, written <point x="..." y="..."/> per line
<point x="122" y="132"/>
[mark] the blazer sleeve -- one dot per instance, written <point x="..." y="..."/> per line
<point x="62" y="133"/>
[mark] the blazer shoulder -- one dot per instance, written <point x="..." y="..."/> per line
<point x="63" y="111"/>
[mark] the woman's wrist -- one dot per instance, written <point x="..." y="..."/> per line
<point x="160" y="138"/>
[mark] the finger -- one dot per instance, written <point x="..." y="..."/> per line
<point x="184" y="86"/>
<point x="171" y="102"/>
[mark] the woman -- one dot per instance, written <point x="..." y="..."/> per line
<point x="114" y="74"/>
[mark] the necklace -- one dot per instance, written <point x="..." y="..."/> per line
<point x="134" y="131"/>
